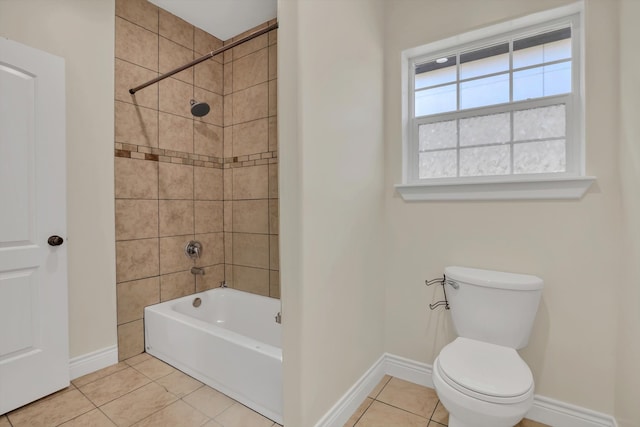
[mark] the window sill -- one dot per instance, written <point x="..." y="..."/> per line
<point x="530" y="189"/>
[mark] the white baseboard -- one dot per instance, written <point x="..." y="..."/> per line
<point x="91" y="362"/>
<point x="545" y="410"/>
<point x="349" y="403"/>
<point x="408" y="370"/>
<point x="556" y="413"/>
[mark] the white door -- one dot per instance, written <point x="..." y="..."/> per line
<point x="34" y="353"/>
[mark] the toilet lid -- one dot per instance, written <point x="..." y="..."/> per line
<point x="487" y="370"/>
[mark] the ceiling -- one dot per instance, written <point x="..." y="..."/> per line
<point x="221" y="18"/>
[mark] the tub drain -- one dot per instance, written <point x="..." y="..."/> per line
<point x="197" y="302"/>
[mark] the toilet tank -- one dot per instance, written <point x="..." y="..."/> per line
<point x="493" y="306"/>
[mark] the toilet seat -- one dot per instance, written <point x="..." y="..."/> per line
<point x="488" y="372"/>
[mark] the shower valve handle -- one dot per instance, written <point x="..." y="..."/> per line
<point x="193" y="249"/>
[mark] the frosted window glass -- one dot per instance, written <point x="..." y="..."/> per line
<point x="539" y="123"/>
<point x="484" y="66"/>
<point x="482" y="161"/>
<point x="486" y="91"/>
<point x="433" y="136"/>
<point x="438" y="164"/>
<point x="436" y="100"/>
<point x="539" y="157"/>
<point x="495" y="128"/>
<point x="436" y="77"/>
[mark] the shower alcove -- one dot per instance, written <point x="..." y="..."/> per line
<point x="179" y="177"/>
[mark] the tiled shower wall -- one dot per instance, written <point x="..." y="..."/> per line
<point x="179" y="177"/>
<point x="251" y="177"/>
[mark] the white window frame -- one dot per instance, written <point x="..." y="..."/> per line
<point x="571" y="184"/>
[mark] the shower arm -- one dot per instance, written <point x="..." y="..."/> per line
<point x="205" y="57"/>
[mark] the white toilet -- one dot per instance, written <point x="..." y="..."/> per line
<point x="479" y="377"/>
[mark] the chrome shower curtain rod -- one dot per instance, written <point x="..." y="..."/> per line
<point x="205" y="57"/>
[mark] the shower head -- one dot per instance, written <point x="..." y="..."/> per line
<point x="199" y="109"/>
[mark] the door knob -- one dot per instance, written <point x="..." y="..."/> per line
<point x="55" y="240"/>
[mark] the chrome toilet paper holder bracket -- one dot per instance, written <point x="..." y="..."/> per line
<point x="440" y="281"/>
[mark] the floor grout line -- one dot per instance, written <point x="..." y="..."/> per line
<point x="116" y="398"/>
<point x="434" y="411"/>
<point x="402" y="409"/>
<point x="365" y="411"/>
<point x="107" y="416"/>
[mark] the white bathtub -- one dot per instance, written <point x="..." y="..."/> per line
<point x="231" y="342"/>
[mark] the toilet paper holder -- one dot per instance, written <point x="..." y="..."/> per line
<point x="440" y="281"/>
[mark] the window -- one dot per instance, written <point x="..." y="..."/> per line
<point x="500" y="113"/>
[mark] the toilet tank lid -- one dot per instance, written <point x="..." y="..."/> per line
<point x="494" y="279"/>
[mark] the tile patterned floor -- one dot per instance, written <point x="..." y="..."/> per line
<point x="141" y="392"/>
<point x="146" y="392"/>
<point x="398" y="403"/>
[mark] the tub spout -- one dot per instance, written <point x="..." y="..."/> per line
<point x="197" y="271"/>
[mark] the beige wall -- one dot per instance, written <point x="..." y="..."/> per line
<point x="289" y="131"/>
<point x="180" y="178"/>
<point x="627" y="410"/>
<point x="575" y="246"/>
<point x="81" y="32"/>
<point x="330" y="65"/>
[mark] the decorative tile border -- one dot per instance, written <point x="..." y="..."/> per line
<point x="252" y="160"/>
<point x="142" y="152"/>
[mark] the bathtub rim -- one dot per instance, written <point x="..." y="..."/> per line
<point x="166" y="308"/>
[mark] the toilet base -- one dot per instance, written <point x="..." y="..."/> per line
<point x="456" y="422"/>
